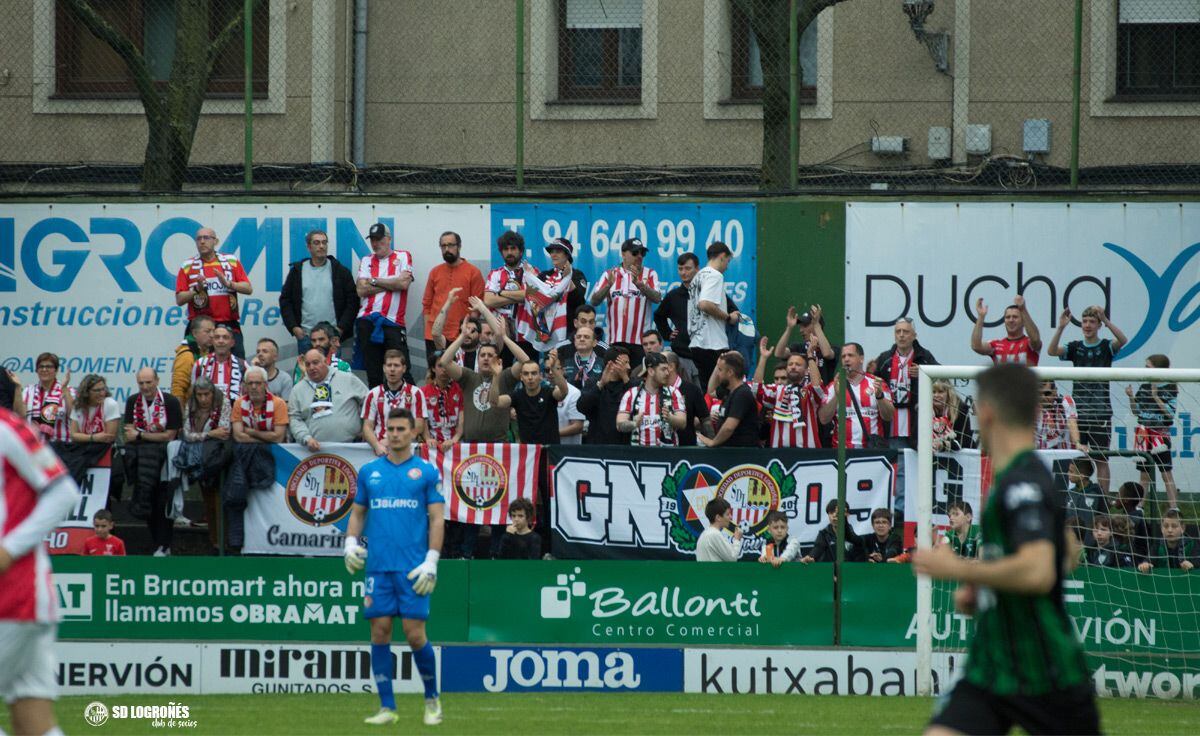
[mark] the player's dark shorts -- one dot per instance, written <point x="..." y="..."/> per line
<point x="972" y="710"/>
<point x="1095" y="431"/>
<point x="390" y="594"/>
<point x="1160" y="460"/>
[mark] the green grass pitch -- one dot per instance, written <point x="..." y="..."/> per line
<point x="579" y="713"/>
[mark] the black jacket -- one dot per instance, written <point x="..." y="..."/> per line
<point x="883" y="369"/>
<point x="601" y="407"/>
<point x="888" y="548"/>
<point x="825" y="549"/>
<point x="345" y="297"/>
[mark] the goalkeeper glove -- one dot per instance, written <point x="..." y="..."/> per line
<point x="424" y="575"/>
<point x="356" y="555"/>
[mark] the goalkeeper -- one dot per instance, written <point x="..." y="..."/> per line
<point x="1025" y="665"/>
<point x="400" y="503"/>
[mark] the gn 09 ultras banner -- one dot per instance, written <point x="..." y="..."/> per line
<point x="630" y="503"/>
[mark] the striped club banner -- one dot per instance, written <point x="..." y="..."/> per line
<point x="479" y="480"/>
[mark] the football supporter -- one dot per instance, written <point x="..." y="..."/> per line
<point x="325" y="338"/>
<point x="708" y="338"/>
<point x="653" y="413"/>
<point x="868" y="402"/>
<point x="1016" y="346"/>
<point x="571" y="424"/>
<point x="48" y="403"/>
<point x="266" y="356"/>
<point x="36" y="493"/>
<point x="1024" y="665"/>
<point x="582" y="362"/>
<point x="885" y="544"/>
<point x="898" y="367"/>
<point x="585" y="316"/>
<point x="504" y="290"/>
<point x="1103" y="551"/>
<point x="812" y="342"/>
<point x="259" y="416"/>
<point x="209" y="283"/>
<point x="393" y="393"/>
<point x="196" y="344"/>
<point x="1174" y="550"/>
<point x="825" y="548"/>
<point x="696" y="408"/>
<point x="671" y="317"/>
<point x="399" y="505"/>
<point x="780" y="548"/>
<point x="221" y="366"/>
<point x="1056" y="426"/>
<point x="10" y="392"/>
<point x="601" y="403"/>
<point x="97" y="415"/>
<point x="443" y="408"/>
<point x="629" y="290"/>
<point x="790" y="405"/>
<point x="470" y="327"/>
<point x="317" y="289"/>
<point x="326" y="406"/>
<point x="739" y="410"/>
<point x="483" y="421"/>
<point x="951" y="420"/>
<point x="535" y="401"/>
<point x="963" y="536"/>
<point x="542" y="322"/>
<point x="207" y="416"/>
<point x="383" y="281"/>
<point x="1133" y="531"/>
<point x="1154" y="405"/>
<point x="152" y="419"/>
<point x="714" y="544"/>
<point x="519" y="542"/>
<point x="103" y="543"/>
<point x="1084" y="497"/>
<point x="454" y="276"/>
<point x="1091" y="397"/>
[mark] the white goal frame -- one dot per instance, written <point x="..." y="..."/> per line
<point x="925" y="471"/>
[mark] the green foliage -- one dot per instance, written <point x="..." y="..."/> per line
<point x="680" y="534"/>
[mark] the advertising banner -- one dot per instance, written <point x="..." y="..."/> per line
<point x="603" y="602"/>
<point x="95" y="283"/>
<point x="231" y="599"/>
<point x="68" y="538"/>
<point x="1138" y="260"/>
<point x="627" y="503"/>
<point x="479" y="480"/>
<point x="537" y="669"/>
<point x="668" y="231"/>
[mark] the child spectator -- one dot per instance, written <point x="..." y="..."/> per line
<point x="885" y="544"/>
<point x="781" y="548"/>
<point x="951" y="420"/>
<point x="1104" y="552"/>
<point x="1174" y="550"/>
<point x="963" y="536"/>
<point x="519" y="542"/>
<point x="1154" y="406"/>
<point x="714" y="545"/>
<point x="104" y="543"/>
<point x="1129" y="499"/>
<point x="825" y="549"/>
<point x="1084" y="497"/>
<point x="1122" y="532"/>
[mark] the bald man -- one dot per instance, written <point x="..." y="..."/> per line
<point x="326" y="405"/>
<point x="153" y="418"/>
<point x="209" y="283"/>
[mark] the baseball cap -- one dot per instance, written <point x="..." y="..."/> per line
<point x="563" y="244"/>
<point x="378" y="230"/>
<point x="634" y="245"/>
<point x="653" y="360"/>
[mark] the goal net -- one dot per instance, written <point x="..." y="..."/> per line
<point x="1134" y="507"/>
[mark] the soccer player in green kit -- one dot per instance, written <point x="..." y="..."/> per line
<point x="1025" y="665"/>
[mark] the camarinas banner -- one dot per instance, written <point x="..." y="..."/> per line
<point x="627" y="503"/>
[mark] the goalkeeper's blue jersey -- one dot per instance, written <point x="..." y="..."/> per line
<point x="396" y="497"/>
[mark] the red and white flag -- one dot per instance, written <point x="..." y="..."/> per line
<point x="480" y="479"/>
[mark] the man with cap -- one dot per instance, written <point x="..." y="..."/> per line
<point x="383" y="281"/>
<point x="542" y="321"/>
<point x="630" y="289"/>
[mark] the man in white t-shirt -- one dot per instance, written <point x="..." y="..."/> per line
<point x="571" y="423"/>
<point x="714" y="544"/>
<point x="707" y="317"/>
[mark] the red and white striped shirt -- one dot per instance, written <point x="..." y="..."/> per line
<point x="901" y="385"/>
<point x="542" y="321"/>
<point x="225" y="374"/>
<point x="29" y="468"/>
<point x="1013" y="350"/>
<point x="628" y="308"/>
<point x="443" y="409"/>
<point x="793" y="414"/>
<point x="1052" y="430"/>
<point x="46" y="411"/>
<point x="381" y="400"/>
<point x="868" y="405"/>
<point x="391" y="304"/>
<point x="506" y="279"/>
<point x="653" y="430"/>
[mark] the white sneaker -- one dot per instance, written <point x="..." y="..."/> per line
<point x="162" y="552"/>
<point x="385" y="717"/>
<point x="182" y="522"/>
<point x="433" y="712"/>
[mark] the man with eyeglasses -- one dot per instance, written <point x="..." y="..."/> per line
<point x="209" y="283"/>
<point x="629" y="290"/>
<point x="456" y="275"/>
<point x="317" y="289"/>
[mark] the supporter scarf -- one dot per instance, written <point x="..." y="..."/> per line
<point x="195" y="275"/>
<point x="45" y="406"/>
<point x="93" y="420"/>
<point x="264" y="420"/>
<point x="584" y="373"/>
<point x="1151" y="440"/>
<point x="225" y="374"/>
<point x="900" y="379"/>
<point x="322" y="401"/>
<point x="152" y="416"/>
<point x="787" y="404"/>
<point x="211" y="422"/>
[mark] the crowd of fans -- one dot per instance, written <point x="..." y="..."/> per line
<point x="517" y="356"/>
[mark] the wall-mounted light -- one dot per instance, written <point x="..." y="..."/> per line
<point x="937" y="42"/>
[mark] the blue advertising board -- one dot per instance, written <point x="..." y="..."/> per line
<point x="668" y="230"/>
<point x="545" y="669"/>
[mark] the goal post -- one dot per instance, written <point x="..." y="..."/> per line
<point x="1183" y="620"/>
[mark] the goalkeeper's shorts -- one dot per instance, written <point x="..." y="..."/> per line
<point x="390" y="594"/>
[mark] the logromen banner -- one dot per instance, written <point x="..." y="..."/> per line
<point x="628" y="503"/>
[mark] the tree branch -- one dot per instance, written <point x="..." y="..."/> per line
<point x="226" y="36"/>
<point x="134" y="60"/>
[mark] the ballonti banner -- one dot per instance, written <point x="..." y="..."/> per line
<point x="625" y="503"/>
<point x="95" y="283"/>
<point x="70" y="535"/>
<point x="307" y="509"/>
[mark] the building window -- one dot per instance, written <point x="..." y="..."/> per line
<point x="600" y="50"/>
<point x="1158" y="48"/>
<point x="86" y="67"/>
<point x="746" y="79"/>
